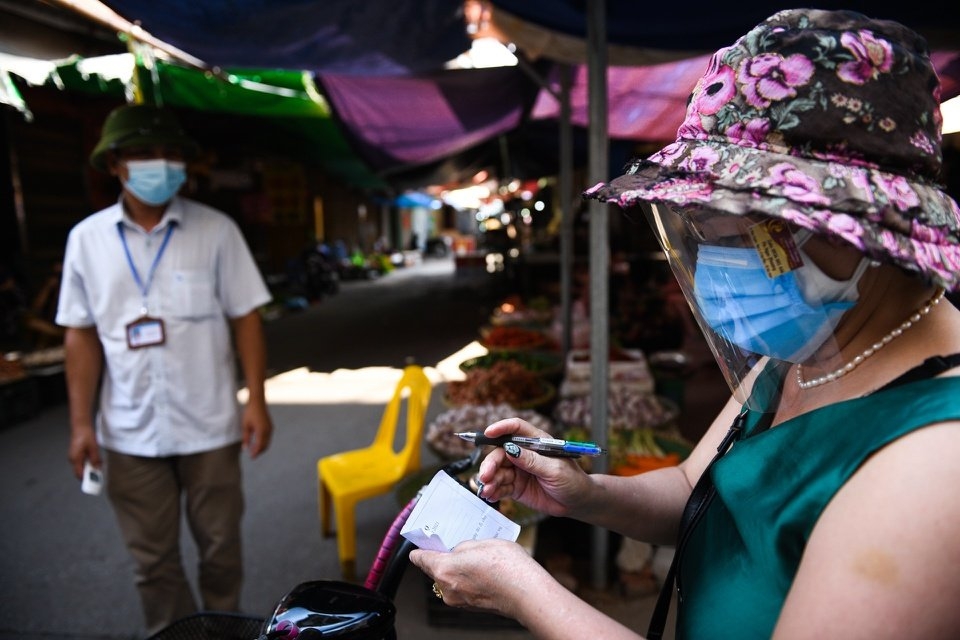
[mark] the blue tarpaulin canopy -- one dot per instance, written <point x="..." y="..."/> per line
<point x="412" y="199"/>
<point x="372" y="37"/>
<point x="707" y="26"/>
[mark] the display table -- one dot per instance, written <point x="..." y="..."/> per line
<point x="51" y="384"/>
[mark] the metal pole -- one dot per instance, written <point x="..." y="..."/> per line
<point x="566" y="208"/>
<point x="18" y="205"/>
<point x="99" y="12"/>
<point x="599" y="258"/>
<point x="565" y="188"/>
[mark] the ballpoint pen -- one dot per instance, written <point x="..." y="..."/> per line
<point x="551" y="447"/>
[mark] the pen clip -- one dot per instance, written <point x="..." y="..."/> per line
<point x="481" y="440"/>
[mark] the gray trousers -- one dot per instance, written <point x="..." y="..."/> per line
<point x="147" y="494"/>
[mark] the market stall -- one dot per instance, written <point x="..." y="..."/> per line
<point x="30" y="381"/>
<point x="524" y="374"/>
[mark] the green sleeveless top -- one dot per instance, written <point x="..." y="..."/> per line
<point x="772" y="485"/>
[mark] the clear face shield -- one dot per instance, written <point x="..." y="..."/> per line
<point x="757" y="295"/>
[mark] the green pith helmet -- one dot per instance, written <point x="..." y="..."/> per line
<point x="140" y="125"/>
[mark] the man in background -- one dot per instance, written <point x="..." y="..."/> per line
<point x="153" y="287"/>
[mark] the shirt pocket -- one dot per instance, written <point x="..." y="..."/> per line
<point x="193" y="294"/>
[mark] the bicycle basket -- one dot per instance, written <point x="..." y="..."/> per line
<point x="212" y="625"/>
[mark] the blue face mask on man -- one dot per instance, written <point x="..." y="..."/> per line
<point x="787" y="317"/>
<point x="155" y="181"/>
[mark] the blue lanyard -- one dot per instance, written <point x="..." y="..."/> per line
<point x="145" y="287"/>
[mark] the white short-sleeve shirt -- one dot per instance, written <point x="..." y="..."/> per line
<point x="179" y="397"/>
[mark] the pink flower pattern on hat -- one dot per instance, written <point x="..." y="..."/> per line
<point x="898" y="191"/>
<point x="700" y="160"/>
<point x="750" y="132"/>
<point x="872" y="56"/>
<point x="796" y="185"/>
<point x="770" y="77"/>
<point x="718" y="88"/>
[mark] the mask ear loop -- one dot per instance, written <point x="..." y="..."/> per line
<point x="830" y="290"/>
<point x="801" y="236"/>
<point x="865" y="262"/>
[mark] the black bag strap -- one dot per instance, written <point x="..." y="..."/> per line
<point x="929" y="368"/>
<point x="700" y="498"/>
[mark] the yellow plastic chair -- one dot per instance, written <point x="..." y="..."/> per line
<point x="343" y="479"/>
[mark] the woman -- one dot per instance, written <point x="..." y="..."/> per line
<point x="799" y="211"/>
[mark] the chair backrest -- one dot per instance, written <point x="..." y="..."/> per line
<point x="417" y="387"/>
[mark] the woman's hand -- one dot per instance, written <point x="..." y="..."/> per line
<point x="501" y="577"/>
<point x="550" y="485"/>
<point x="482" y="574"/>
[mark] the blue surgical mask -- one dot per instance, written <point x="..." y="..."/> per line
<point x="785" y="317"/>
<point x="156" y="181"/>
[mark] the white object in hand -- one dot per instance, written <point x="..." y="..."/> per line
<point x="447" y="513"/>
<point x="92" y="481"/>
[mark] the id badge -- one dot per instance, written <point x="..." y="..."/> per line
<point x="145" y="332"/>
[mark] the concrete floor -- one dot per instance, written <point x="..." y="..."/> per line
<point x="64" y="572"/>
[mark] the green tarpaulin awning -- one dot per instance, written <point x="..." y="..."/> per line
<point x="294" y="117"/>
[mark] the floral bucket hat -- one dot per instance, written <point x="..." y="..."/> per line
<point x="826" y="119"/>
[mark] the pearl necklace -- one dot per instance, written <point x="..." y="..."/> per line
<point x="887" y="339"/>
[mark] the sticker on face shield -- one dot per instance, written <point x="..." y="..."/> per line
<point x="776" y="247"/>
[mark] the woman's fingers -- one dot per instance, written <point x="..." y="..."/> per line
<point x="515" y="426"/>
<point x="475" y="574"/>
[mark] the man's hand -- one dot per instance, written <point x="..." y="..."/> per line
<point x="252" y="350"/>
<point x="83" y="447"/>
<point x="84" y="365"/>
<point x="257" y="429"/>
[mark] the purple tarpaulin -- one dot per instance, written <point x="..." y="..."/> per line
<point x="645" y="103"/>
<point x="648" y="103"/>
<point x="404" y="121"/>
